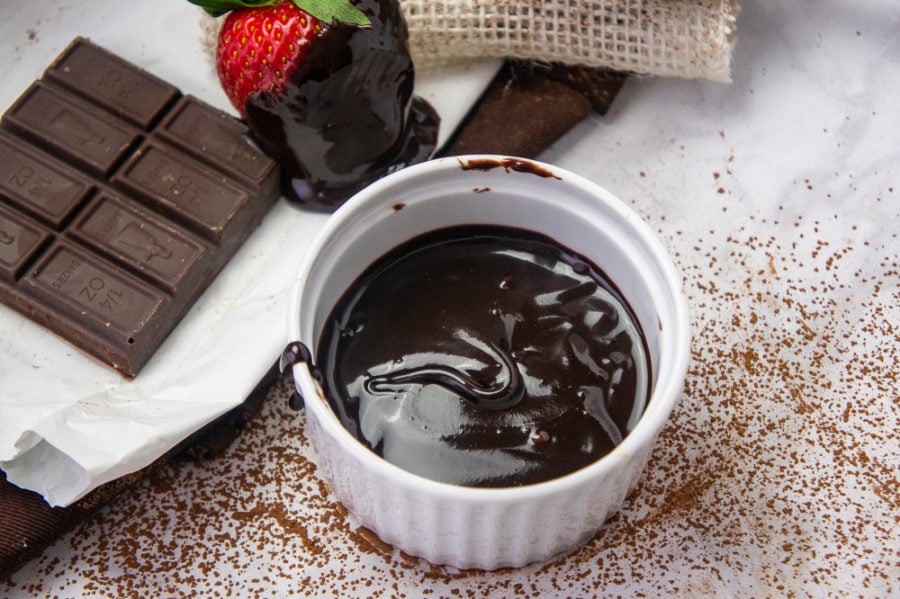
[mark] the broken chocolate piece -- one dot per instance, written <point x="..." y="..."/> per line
<point x="599" y="86"/>
<point x="529" y="106"/>
<point x="521" y="114"/>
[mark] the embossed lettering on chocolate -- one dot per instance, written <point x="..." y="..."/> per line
<point x="485" y="356"/>
<point x="120" y="200"/>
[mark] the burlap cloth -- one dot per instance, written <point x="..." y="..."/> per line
<point x="682" y="38"/>
<point x="673" y="38"/>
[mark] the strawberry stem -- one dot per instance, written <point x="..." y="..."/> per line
<point x="327" y="11"/>
<point x="220" y="7"/>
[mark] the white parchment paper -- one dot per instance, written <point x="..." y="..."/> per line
<point x="69" y="423"/>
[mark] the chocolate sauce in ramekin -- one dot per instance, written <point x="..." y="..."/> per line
<point x="485" y="357"/>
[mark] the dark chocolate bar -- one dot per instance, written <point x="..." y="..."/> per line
<point x="120" y="201"/>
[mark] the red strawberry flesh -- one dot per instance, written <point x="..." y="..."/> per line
<point x="259" y="49"/>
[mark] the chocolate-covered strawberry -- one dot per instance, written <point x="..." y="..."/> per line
<point x="326" y="88"/>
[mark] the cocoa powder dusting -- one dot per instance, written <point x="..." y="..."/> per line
<point x="777" y="474"/>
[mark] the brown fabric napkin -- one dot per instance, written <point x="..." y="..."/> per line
<point x="28" y="525"/>
<point x="525" y="109"/>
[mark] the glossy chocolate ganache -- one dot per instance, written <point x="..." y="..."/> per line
<point x="348" y="115"/>
<point x="485" y="357"/>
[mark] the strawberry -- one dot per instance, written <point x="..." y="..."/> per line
<point x="326" y="89"/>
<point x="262" y="42"/>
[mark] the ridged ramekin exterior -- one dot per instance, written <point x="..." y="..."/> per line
<point x="482" y="532"/>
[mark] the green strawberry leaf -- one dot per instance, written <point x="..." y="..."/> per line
<point x="220" y="7"/>
<point x="330" y="11"/>
<point x="327" y="11"/>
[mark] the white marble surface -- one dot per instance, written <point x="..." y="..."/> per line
<point x="778" y="198"/>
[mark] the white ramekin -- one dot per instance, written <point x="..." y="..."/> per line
<point x="477" y="527"/>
